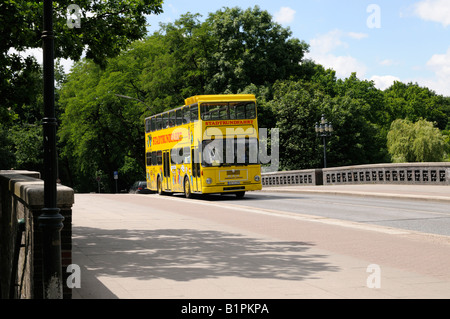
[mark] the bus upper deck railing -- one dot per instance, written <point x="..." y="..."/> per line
<point x="398" y="173"/>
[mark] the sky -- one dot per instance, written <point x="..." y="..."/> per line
<point x="383" y="41"/>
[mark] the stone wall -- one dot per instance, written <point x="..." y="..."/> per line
<point x="21" y="201"/>
<point x="303" y="177"/>
<point x="402" y="173"/>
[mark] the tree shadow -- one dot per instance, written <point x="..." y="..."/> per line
<point x="186" y="254"/>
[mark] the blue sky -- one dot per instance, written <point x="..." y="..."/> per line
<point x="381" y="40"/>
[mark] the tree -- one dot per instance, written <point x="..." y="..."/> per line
<point x="415" y="142"/>
<point x="107" y="27"/>
<point x="249" y="47"/>
<point x="296" y="106"/>
<point x="99" y="130"/>
<point x="412" y="102"/>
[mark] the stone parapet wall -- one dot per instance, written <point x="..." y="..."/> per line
<point x="21" y="201"/>
<point x="401" y="173"/>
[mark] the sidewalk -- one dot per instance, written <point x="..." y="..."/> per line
<point x="407" y="192"/>
<point x="151" y="247"/>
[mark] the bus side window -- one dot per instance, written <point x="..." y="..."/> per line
<point x="187" y="116"/>
<point x="194" y="113"/>
<point x="147" y="125"/>
<point x="173" y="156"/>
<point x="159" y="157"/>
<point x="149" y="159"/>
<point x="179" y="114"/>
<point x="186" y="155"/>
<point x="152" y="124"/>
<point x="158" y="122"/>
<point x="165" y="122"/>
<point x="154" y="159"/>
<point x="172" y="119"/>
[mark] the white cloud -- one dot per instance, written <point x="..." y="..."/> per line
<point x="387" y="62"/>
<point x="325" y="43"/>
<point x="434" y="10"/>
<point x="440" y="65"/>
<point x="382" y="82"/>
<point x="285" y="15"/>
<point x="357" y="35"/>
<point x="321" y="49"/>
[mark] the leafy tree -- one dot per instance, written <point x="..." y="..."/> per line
<point x="296" y="106"/>
<point x="249" y="47"/>
<point x="26" y="141"/>
<point x="98" y="130"/>
<point x="412" y="102"/>
<point x="415" y="142"/>
<point x="7" y="157"/>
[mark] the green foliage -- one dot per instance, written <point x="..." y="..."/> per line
<point x="108" y="29"/>
<point x="7" y="157"/>
<point x="412" y="102"/>
<point x="415" y="142"/>
<point x="249" y="47"/>
<point x="296" y="106"/>
<point x="27" y="143"/>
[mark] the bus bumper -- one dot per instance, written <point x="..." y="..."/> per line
<point x="231" y="188"/>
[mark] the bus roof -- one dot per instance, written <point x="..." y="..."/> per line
<point x="219" y="98"/>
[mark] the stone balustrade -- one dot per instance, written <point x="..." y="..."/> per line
<point x="393" y="173"/>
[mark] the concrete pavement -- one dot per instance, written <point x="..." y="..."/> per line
<point x="151" y="247"/>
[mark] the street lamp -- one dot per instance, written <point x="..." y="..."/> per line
<point x="324" y="129"/>
<point x="50" y="219"/>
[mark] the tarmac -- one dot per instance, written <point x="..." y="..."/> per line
<point x="170" y="249"/>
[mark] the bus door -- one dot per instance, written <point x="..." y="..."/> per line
<point x="166" y="171"/>
<point x="196" y="180"/>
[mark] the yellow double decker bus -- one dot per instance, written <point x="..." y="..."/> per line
<point x="209" y="145"/>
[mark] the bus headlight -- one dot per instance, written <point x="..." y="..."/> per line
<point x="257" y="178"/>
<point x="208" y="181"/>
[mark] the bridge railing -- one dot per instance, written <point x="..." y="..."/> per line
<point x="303" y="177"/>
<point x="397" y="173"/>
<point x="21" y="203"/>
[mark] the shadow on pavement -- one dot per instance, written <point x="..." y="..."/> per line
<point x="186" y="254"/>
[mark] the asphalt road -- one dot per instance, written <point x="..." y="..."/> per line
<point x="422" y="216"/>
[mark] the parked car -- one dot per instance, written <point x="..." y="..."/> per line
<point x="140" y="188"/>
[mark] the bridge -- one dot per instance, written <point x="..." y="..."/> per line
<point x="293" y="243"/>
<point x="289" y="242"/>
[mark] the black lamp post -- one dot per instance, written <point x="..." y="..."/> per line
<point x="324" y="129"/>
<point x="50" y="220"/>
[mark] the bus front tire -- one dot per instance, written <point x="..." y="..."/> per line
<point x="159" y="187"/>
<point x="187" y="189"/>
<point x="240" y="194"/>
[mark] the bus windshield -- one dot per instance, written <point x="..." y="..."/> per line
<point x="228" y="111"/>
<point x="228" y="152"/>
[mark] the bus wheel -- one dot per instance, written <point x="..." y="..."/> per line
<point x="159" y="186"/>
<point x="187" y="188"/>
<point x="240" y="194"/>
